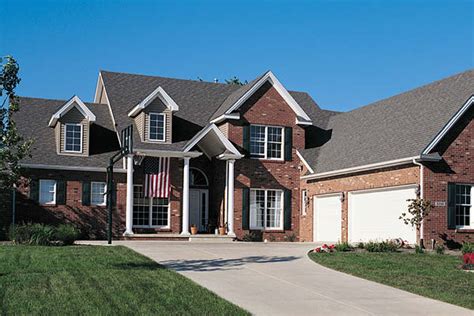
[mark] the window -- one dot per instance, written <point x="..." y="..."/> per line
<point x="156" y="127"/>
<point x="73" y="138"/>
<point x="98" y="193"/>
<point x="463" y="205"/>
<point x="266" y="142"/>
<point x="47" y="191"/>
<point x="266" y="209"/>
<point x="304" y="201"/>
<point x="197" y="178"/>
<point x="149" y="212"/>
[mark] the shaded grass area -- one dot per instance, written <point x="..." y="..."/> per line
<point x="430" y="275"/>
<point x="98" y="280"/>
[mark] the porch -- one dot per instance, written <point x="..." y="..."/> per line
<point x="190" y="204"/>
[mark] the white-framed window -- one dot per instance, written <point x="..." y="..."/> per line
<point x="73" y="138"/>
<point x="156" y="127"/>
<point x="304" y="201"/>
<point x="98" y="193"/>
<point x="464" y="194"/>
<point x="266" y="209"/>
<point x="47" y="192"/>
<point x="266" y="142"/>
<point x="149" y="212"/>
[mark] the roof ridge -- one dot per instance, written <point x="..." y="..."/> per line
<point x="58" y="100"/>
<point x="426" y="85"/>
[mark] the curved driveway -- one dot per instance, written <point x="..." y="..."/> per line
<point x="279" y="279"/>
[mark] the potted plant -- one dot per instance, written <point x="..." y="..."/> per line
<point x="221" y="229"/>
<point x="194" y="229"/>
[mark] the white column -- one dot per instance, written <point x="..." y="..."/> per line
<point x="129" y="204"/>
<point x="185" y="199"/>
<point x="230" y="198"/>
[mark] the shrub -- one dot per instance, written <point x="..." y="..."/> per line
<point x="440" y="249"/>
<point x="345" y="246"/>
<point x="419" y="250"/>
<point x="32" y="234"/>
<point x="66" y="234"/>
<point x="467" y="247"/>
<point x="384" y="246"/>
<point x="360" y="245"/>
<point x="290" y="237"/>
<point x="253" y="236"/>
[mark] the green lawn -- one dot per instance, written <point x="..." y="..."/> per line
<point x="98" y="280"/>
<point x="430" y="275"/>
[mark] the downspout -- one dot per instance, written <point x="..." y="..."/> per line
<point x="421" y="195"/>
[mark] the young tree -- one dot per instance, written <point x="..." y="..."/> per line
<point x="13" y="147"/>
<point x="418" y="210"/>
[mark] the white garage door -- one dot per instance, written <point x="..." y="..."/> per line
<point x="327" y="218"/>
<point x="374" y="215"/>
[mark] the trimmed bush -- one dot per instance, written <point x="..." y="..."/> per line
<point x="384" y="246"/>
<point x="341" y="247"/>
<point x="419" y="250"/>
<point x="253" y="236"/>
<point x="66" y="234"/>
<point x="440" y="249"/>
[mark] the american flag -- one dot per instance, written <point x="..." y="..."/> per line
<point x="157" y="177"/>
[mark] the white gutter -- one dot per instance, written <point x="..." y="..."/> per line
<point x="422" y="193"/>
<point x="378" y="165"/>
<point x="166" y="153"/>
<point x="232" y="116"/>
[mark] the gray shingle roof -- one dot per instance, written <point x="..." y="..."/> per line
<point x="394" y="128"/>
<point x="32" y="122"/>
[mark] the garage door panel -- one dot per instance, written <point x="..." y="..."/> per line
<point x="327" y="218"/>
<point x="374" y="215"/>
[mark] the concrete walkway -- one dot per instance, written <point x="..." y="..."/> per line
<point x="279" y="279"/>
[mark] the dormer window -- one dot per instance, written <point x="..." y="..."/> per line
<point x="156" y="127"/>
<point x="73" y="138"/>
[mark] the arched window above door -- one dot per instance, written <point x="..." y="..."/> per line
<point x="197" y="178"/>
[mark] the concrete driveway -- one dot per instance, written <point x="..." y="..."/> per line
<point x="279" y="279"/>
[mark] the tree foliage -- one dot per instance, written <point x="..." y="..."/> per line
<point x="235" y="80"/>
<point x="13" y="147"/>
<point x="418" y="209"/>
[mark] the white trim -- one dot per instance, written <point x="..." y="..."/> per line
<point x="305" y="163"/>
<point x="270" y="77"/>
<point x="166" y="153"/>
<point x="220" y="135"/>
<point x="471" y="207"/>
<point x="448" y="126"/>
<point x="149" y="125"/>
<point x="104" y="202"/>
<point x="158" y="92"/>
<point x="54" y="193"/>
<point x="75" y="101"/>
<point x="69" y="168"/>
<point x="202" y="172"/>
<point x="65" y="138"/>
<point x="223" y="117"/>
<point x="390" y="188"/>
<point x="110" y="108"/>
<point x="378" y="165"/>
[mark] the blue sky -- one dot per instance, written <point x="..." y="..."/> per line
<point x="344" y="53"/>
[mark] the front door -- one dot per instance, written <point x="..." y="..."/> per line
<point x="198" y="208"/>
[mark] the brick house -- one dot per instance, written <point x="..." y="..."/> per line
<point x="251" y="158"/>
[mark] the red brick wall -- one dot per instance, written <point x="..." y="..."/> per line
<point x="266" y="107"/>
<point x="457" y="150"/>
<point x="91" y="220"/>
<point x="381" y="178"/>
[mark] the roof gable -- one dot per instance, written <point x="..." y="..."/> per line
<point x="238" y="98"/>
<point x="74" y="102"/>
<point x="157" y="93"/>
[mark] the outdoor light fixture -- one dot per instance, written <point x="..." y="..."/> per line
<point x="342" y="197"/>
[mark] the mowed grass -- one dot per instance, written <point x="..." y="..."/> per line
<point x="98" y="280"/>
<point x="430" y="275"/>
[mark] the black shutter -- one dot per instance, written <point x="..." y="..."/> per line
<point x="86" y="193"/>
<point x="245" y="208"/>
<point x="451" y="205"/>
<point x="34" y="190"/>
<point x="60" y="192"/>
<point x="246" y="139"/>
<point x="288" y="143"/>
<point x="287" y="209"/>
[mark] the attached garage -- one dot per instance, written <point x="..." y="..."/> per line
<point x="327" y="218"/>
<point x="374" y="214"/>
